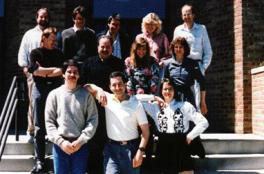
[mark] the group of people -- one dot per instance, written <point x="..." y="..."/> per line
<point x="132" y="83"/>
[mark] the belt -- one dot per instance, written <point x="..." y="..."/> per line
<point x="122" y="143"/>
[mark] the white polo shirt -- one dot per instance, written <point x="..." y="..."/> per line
<point x="123" y="118"/>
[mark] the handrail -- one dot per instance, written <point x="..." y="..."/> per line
<point x="7" y="114"/>
<point x="7" y="99"/>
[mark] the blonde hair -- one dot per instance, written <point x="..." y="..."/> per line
<point x="151" y="18"/>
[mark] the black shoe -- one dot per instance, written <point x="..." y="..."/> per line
<point x="38" y="168"/>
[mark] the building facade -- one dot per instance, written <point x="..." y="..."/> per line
<point x="235" y="28"/>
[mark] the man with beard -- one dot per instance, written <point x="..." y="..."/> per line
<point x="78" y="42"/>
<point x="30" y="41"/>
<point x="96" y="70"/>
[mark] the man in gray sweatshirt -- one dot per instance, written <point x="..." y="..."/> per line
<point x="71" y="120"/>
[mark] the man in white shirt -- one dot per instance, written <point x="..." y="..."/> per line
<point x="197" y="37"/>
<point x="123" y="153"/>
<point x="30" y="41"/>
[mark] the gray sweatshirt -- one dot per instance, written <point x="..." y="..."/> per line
<point x="70" y="114"/>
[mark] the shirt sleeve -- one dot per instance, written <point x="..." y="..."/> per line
<point x="33" y="61"/>
<point x="199" y="76"/>
<point x="91" y="121"/>
<point x="141" y="115"/>
<point x="23" y="54"/>
<point x="51" y="119"/>
<point x="155" y="76"/>
<point x="207" y="49"/>
<point x="201" y="124"/>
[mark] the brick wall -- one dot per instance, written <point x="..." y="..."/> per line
<point x="19" y="17"/>
<point x="253" y="47"/>
<point x="219" y="20"/>
<point x="235" y="29"/>
<point x="257" y="75"/>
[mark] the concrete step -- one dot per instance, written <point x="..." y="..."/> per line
<point x="231" y="162"/>
<point x="22" y="147"/>
<point x="226" y="153"/>
<point x="233" y="143"/>
<point x="230" y="172"/>
<point x="20" y="163"/>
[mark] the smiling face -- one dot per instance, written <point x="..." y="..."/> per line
<point x="150" y="28"/>
<point x="71" y="75"/>
<point x="104" y="48"/>
<point x="141" y="51"/>
<point x="118" y="87"/>
<point x="167" y="92"/>
<point x="42" y="18"/>
<point x="187" y="15"/>
<point x="179" y="51"/>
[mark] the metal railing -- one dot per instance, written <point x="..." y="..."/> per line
<point x="7" y="114"/>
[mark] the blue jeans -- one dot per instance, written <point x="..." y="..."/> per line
<point x="75" y="163"/>
<point x="118" y="158"/>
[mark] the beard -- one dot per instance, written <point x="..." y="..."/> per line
<point x="44" y="23"/>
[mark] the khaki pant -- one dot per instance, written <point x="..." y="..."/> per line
<point x="30" y="82"/>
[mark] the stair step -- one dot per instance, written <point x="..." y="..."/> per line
<point x="232" y="143"/>
<point x="231" y="162"/>
<point x="231" y="172"/>
<point x="20" y="163"/>
<point x="22" y="147"/>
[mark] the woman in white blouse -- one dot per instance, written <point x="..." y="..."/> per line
<point x="172" y="122"/>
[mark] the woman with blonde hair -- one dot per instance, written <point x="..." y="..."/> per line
<point x="151" y="27"/>
<point x="142" y="69"/>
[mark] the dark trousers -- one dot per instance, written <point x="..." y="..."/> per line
<point x="39" y="96"/>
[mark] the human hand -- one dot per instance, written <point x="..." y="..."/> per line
<point x="188" y="140"/>
<point x="66" y="146"/>
<point x="102" y="98"/>
<point x="204" y="109"/>
<point x="138" y="159"/>
<point x="76" y="145"/>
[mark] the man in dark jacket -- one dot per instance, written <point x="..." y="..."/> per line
<point x="78" y="42"/>
<point x="121" y="40"/>
<point x="96" y="70"/>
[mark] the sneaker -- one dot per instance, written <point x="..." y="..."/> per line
<point x="38" y="168"/>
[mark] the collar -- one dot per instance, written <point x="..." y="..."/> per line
<point x="193" y="28"/>
<point x="76" y="28"/>
<point x="117" y="100"/>
<point x="174" y="61"/>
<point x="38" y="28"/>
<point x="108" y="34"/>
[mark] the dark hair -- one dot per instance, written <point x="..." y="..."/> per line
<point x="138" y="43"/>
<point x="118" y="74"/>
<point x="71" y="62"/>
<point x="105" y="36"/>
<point x="182" y="41"/>
<point x="45" y="9"/>
<point x="79" y="10"/>
<point x="115" y="16"/>
<point x="166" y="80"/>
